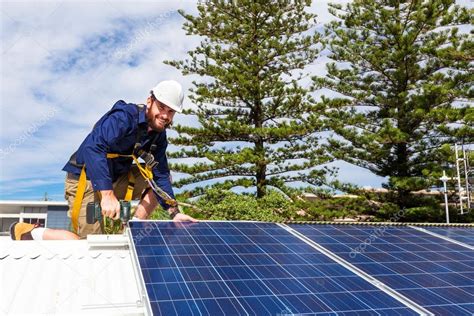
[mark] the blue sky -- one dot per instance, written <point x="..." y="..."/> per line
<point x="65" y="63"/>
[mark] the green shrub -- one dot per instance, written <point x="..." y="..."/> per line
<point x="222" y="204"/>
<point x="218" y="204"/>
<point x="325" y="209"/>
<point x="227" y="205"/>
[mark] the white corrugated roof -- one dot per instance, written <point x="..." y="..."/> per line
<point x="42" y="203"/>
<point x="32" y="203"/>
<point x="66" y="277"/>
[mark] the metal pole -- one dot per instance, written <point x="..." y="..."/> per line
<point x="444" y="178"/>
<point x="466" y="175"/>
<point x="458" y="174"/>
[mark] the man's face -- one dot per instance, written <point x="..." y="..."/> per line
<point x="159" y="116"/>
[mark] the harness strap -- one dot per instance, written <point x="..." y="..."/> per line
<point x="147" y="173"/>
<point x="76" y="207"/>
<point x="130" y="187"/>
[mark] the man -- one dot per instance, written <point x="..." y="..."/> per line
<point x="105" y="159"/>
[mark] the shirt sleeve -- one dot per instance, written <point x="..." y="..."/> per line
<point x="107" y="131"/>
<point x="161" y="173"/>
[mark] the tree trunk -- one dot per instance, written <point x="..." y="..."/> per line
<point x="403" y="195"/>
<point x="261" y="170"/>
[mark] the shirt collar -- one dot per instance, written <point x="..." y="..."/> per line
<point x="141" y="113"/>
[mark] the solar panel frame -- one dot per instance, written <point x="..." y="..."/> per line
<point x="422" y="282"/>
<point x="145" y="301"/>
<point x="461" y="234"/>
<point x="232" y="277"/>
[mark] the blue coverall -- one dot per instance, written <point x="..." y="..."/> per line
<point x="116" y="132"/>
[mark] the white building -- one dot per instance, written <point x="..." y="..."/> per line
<point x="52" y="214"/>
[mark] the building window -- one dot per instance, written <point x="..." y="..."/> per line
<point x="5" y="224"/>
<point x="40" y="221"/>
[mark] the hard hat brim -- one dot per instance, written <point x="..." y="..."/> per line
<point x="169" y="104"/>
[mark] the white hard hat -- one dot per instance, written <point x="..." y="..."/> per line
<point x="170" y="93"/>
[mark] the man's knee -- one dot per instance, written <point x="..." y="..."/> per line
<point x="89" y="196"/>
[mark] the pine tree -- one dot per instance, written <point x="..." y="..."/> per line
<point x="406" y="74"/>
<point x="258" y="123"/>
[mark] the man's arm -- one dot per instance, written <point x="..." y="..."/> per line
<point x="115" y="126"/>
<point x="161" y="176"/>
<point x="149" y="202"/>
<point x="161" y="173"/>
<point x="146" y="206"/>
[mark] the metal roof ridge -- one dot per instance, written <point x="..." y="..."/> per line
<point x="69" y="256"/>
<point x="58" y="249"/>
<point x="32" y="202"/>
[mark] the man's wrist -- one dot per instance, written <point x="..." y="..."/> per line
<point x="106" y="193"/>
<point x="173" y="211"/>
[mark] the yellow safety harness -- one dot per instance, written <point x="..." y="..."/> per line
<point x="146" y="172"/>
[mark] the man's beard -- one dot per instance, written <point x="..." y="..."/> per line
<point x="151" y="123"/>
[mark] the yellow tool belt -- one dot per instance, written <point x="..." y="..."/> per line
<point x="81" y="187"/>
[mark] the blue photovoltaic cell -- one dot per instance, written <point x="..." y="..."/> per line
<point x="462" y="234"/>
<point x="239" y="268"/>
<point x="435" y="273"/>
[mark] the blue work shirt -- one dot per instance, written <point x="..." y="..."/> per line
<point x="116" y="132"/>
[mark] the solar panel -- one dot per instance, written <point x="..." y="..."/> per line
<point x="462" y="234"/>
<point x="228" y="268"/>
<point x="435" y="273"/>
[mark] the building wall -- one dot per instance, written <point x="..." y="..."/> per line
<point x="50" y="215"/>
<point x="58" y="219"/>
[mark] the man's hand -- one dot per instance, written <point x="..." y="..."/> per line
<point x="180" y="217"/>
<point x="110" y="205"/>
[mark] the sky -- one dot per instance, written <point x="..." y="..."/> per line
<point x="65" y="63"/>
